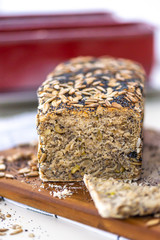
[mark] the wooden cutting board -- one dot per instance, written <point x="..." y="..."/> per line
<point x="79" y="206"/>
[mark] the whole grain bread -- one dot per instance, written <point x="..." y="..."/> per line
<point x="90" y="118"/>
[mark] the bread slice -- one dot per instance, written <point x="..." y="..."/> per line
<point x="118" y="199"/>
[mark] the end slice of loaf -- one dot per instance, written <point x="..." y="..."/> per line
<point x="117" y="199"/>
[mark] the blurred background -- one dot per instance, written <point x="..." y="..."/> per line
<point x="37" y="35"/>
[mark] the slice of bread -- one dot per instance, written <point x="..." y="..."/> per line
<point x="118" y="199"/>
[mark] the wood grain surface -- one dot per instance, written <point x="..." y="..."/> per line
<point x="79" y="206"/>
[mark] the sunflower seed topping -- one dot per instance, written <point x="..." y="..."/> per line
<point x="118" y="81"/>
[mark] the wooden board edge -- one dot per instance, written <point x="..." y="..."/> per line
<point x="90" y="217"/>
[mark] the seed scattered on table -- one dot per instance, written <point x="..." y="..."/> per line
<point x="24" y="170"/>
<point x="2" y="174"/>
<point x="16" y="226"/>
<point x="4" y="229"/>
<point x="16" y="231"/>
<point x="7" y="175"/>
<point x="32" y="174"/>
<point x="2" y="167"/>
<point x="152" y="222"/>
<point x="2" y="233"/>
<point x="8" y="215"/>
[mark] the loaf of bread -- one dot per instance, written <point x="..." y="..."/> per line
<point x="90" y="118"/>
<point x="117" y="199"/>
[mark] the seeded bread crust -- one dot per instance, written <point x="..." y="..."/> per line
<point x="118" y="199"/>
<point x="90" y="118"/>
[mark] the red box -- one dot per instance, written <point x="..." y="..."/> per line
<point x="29" y="50"/>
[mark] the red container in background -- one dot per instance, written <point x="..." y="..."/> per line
<point x="56" y="21"/>
<point x="31" y="46"/>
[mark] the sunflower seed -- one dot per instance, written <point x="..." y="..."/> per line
<point x="109" y="91"/>
<point x="92" y="105"/>
<point x="59" y="111"/>
<point x="43" y="157"/>
<point x="45" y="107"/>
<point x="119" y="77"/>
<point x="101" y="89"/>
<point x="16" y="226"/>
<point x="34" y="168"/>
<point x="138" y="91"/>
<point x="116" y="105"/>
<point x="78" y="105"/>
<point x="4" y="229"/>
<point x="2" y="233"/>
<point x="70" y="83"/>
<point x="8" y="215"/>
<point x="89" y="74"/>
<point x="24" y="170"/>
<point x="86" y="93"/>
<point x="91" y="101"/>
<point x="107" y="103"/>
<point x="81" y="86"/>
<point x="90" y="80"/>
<point x="7" y="175"/>
<point x="71" y="91"/>
<point x="133" y="99"/>
<point x="2" y="167"/>
<point x="16" y="231"/>
<point x="32" y="174"/>
<point x="152" y="222"/>
<point x="57" y="87"/>
<point x="96" y="83"/>
<point x="56" y="103"/>
<point x="64" y="91"/>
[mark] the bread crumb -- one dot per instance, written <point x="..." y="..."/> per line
<point x="31" y="235"/>
<point x="62" y="194"/>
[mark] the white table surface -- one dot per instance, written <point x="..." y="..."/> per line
<point x="47" y="227"/>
